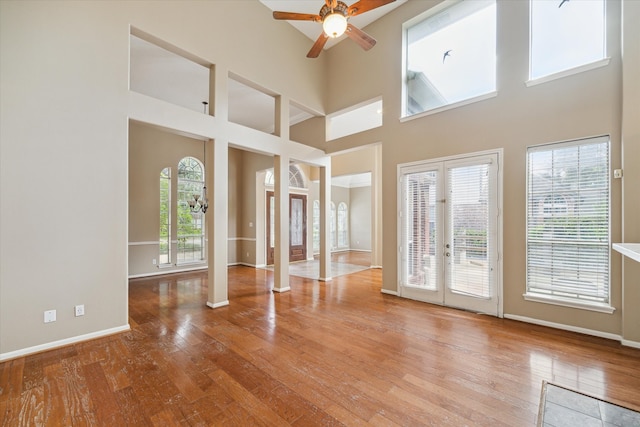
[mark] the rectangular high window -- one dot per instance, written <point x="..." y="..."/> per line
<point x="565" y="34"/>
<point x="450" y="56"/>
<point x="568" y="232"/>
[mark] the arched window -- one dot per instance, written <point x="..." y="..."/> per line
<point x="296" y="178"/>
<point x="164" y="255"/>
<point x="343" y="226"/>
<point x="190" y="225"/>
<point x="332" y="221"/>
<point x="316" y="226"/>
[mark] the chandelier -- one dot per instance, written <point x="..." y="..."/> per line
<point x="201" y="204"/>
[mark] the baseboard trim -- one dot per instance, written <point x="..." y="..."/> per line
<point x="376" y="266"/>
<point x="629" y="343"/>
<point x="325" y="279"/>
<point x="280" y="290"/>
<point x="246" y="264"/>
<point x="61" y="343"/>
<point x="388" y="292"/>
<point x="167" y="271"/>
<point x="569" y="328"/>
<point x="217" y="304"/>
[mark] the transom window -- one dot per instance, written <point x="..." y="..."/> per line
<point x="568" y="231"/>
<point x="296" y="178"/>
<point x="565" y="34"/>
<point x="450" y="56"/>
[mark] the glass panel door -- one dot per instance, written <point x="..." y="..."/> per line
<point x="449" y="219"/>
<point x="469" y="236"/>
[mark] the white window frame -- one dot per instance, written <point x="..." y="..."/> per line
<point x="577" y="69"/>
<point x="342" y="225"/>
<point x="404" y="115"/>
<point x="316" y="226"/>
<point x="563" y="300"/>
<point x="196" y="218"/>
<point x="165" y="175"/>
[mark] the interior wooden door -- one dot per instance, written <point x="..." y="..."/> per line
<point x="297" y="227"/>
<point x="271" y="214"/>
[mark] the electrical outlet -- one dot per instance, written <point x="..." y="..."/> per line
<point x="154" y="262"/>
<point x="49" y="316"/>
<point x="79" y="310"/>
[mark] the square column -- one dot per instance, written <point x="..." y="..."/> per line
<point x="281" y="249"/>
<point x="217" y="180"/>
<point x="325" y="215"/>
<point x="217" y="221"/>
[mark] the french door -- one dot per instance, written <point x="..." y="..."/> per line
<point x="449" y="232"/>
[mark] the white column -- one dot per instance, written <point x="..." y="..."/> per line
<point x="218" y="221"/>
<point x="376" y="209"/>
<point x="325" y="234"/>
<point x="217" y="180"/>
<point x="282" y="117"/>
<point x="281" y="249"/>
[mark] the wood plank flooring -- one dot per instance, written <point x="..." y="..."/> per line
<point x="337" y="353"/>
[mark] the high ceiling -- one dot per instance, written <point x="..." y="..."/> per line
<point x="312" y="29"/>
<point x="166" y="75"/>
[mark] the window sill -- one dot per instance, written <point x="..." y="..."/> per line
<point x="565" y="302"/>
<point x="571" y="71"/>
<point x="450" y="106"/>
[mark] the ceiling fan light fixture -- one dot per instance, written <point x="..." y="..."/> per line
<point x="334" y="24"/>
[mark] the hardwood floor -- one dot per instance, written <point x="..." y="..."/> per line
<point x="337" y="353"/>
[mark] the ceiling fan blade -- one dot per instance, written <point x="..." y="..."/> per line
<point x="318" y="45"/>
<point x="357" y="35"/>
<point x="293" y="16"/>
<point x="365" y="6"/>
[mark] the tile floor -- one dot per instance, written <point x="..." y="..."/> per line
<point x="566" y="408"/>
<point x="311" y="269"/>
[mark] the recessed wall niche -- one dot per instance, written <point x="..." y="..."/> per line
<point x="164" y="74"/>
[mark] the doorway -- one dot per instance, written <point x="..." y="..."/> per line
<point x="449" y="232"/>
<point x="297" y="227"/>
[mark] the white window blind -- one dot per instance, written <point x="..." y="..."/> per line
<point x="419" y="228"/>
<point x="568" y="221"/>
<point x="468" y="235"/>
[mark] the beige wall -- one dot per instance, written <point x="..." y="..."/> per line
<point x="581" y="105"/>
<point x="64" y="110"/>
<point x="64" y="143"/>
<point x="360" y="218"/>
<point x="631" y="165"/>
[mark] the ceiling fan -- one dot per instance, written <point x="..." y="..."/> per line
<point x="334" y="16"/>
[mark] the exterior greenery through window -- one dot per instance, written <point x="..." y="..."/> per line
<point x="565" y="36"/>
<point x="165" y="217"/>
<point x="190" y="226"/>
<point x="450" y="56"/>
<point x="568" y="236"/>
